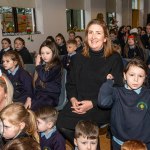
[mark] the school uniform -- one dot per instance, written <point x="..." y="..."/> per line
<point x="66" y="61"/>
<point x="130" y="111"/>
<point x="47" y="92"/>
<point x="25" y="55"/>
<point x="3" y="51"/>
<point x="22" y="83"/>
<point x="62" y="49"/>
<point x="52" y="140"/>
<point x="79" y="49"/>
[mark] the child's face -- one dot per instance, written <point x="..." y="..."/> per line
<point x="58" y="40"/>
<point x="86" y="144"/>
<point x="10" y="130"/>
<point x="113" y="36"/>
<point x="71" y="48"/>
<point x="5" y="44"/>
<point x="42" y="125"/>
<point x="135" y="77"/>
<point x="46" y="54"/>
<point x="79" y="42"/>
<point x="8" y="63"/>
<point x="18" y="45"/>
<point x="131" y="41"/>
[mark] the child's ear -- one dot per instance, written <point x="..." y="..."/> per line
<point x="50" y="124"/>
<point x="124" y="75"/>
<point x="15" y="62"/>
<point x="75" y="142"/>
<point x="22" y="125"/>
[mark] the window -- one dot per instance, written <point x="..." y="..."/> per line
<point x="16" y="21"/>
<point x="75" y="20"/>
<point x="134" y="4"/>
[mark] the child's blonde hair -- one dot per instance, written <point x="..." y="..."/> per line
<point x="86" y="129"/>
<point x="133" y="145"/>
<point x="16" y="113"/>
<point x="8" y="89"/>
<point x="47" y="113"/>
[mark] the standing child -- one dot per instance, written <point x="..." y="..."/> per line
<point x="133" y="145"/>
<point x="19" y="45"/>
<point x="50" y="138"/>
<point x="6" y="46"/>
<point x="21" y="79"/>
<point x="18" y="122"/>
<point x="71" y="48"/>
<point x="86" y="136"/>
<point x="130" y="117"/>
<point x="47" y="78"/>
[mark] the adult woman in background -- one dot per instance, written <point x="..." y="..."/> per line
<point x="88" y="72"/>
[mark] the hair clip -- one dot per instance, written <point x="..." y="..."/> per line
<point x="131" y="37"/>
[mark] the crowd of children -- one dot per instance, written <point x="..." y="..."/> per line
<point x="27" y="103"/>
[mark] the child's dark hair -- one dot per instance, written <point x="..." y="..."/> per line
<point x="47" y="113"/>
<point x="138" y="63"/>
<point x="133" y="145"/>
<point x="6" y="39"/>
<point x="15" y="57"/>
<point x="79" y="37"/>
<point x="50" y="38"/>
<point x="55" y="54"/>
<point x="20" y="39"/>
<point x="86" y="129"/>
<point x="74" y="42"/>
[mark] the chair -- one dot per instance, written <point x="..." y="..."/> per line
<point x="30" y="68"/>
<point x="62" y="98"/>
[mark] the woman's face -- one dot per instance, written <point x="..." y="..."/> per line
<point x="96" y="37"/>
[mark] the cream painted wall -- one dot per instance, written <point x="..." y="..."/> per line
<point x="52" y="17"/>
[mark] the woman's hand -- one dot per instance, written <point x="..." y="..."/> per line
<point x="82" y="107"/>
<point x="38" y="60"/>
<point x="28" y="103"/>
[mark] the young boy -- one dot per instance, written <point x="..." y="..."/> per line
<point x="50" y="138"/>
<point x="133" y="145"/>
<point x="86" y="136"/>
<point x="71" y="49"/>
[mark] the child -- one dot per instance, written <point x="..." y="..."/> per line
<point x="20" y="79"/>
<point x="133" y="47"/>
<point x="86" y="136"/>
<point x="6" y="46"/>
<point x="133" y="145"/>
<point x="130" y="117"/>
<point x="18" y="122"/>
<point x="19" y="45"/>
<point x="71" y="48"/>
<point x="47" y="78"/>
<point x="50" y="138"/>
<point x="79" y="44"/>
<point x="6" y="91"/>
<point x="25" y="143"/>
<point x="61" y="44"/>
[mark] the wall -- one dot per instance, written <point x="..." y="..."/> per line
<point x="51" y="18"/>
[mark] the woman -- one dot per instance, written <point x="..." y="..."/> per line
<point x="88" y="72"/>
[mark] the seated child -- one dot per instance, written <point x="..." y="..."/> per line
<point x="133" y="145"/>
<point x="86" y="136"/>
<point x="71" y="48"/>
<point x="50" y="138"/>
<point x="25" y="143"/>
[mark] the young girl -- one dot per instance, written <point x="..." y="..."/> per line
<point x="18" y="122"/>
<point x="19" y="45"/>
<point x="6" y="46"/>
<point x="6" y="91"/>
<point x="21" y="79"/>
<point x="61" y="44"/>
<point x="130" y="117"/>
<point x="79" y="43"/>
<point x="47" y="78"/>
<point x="133" y="47"/>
